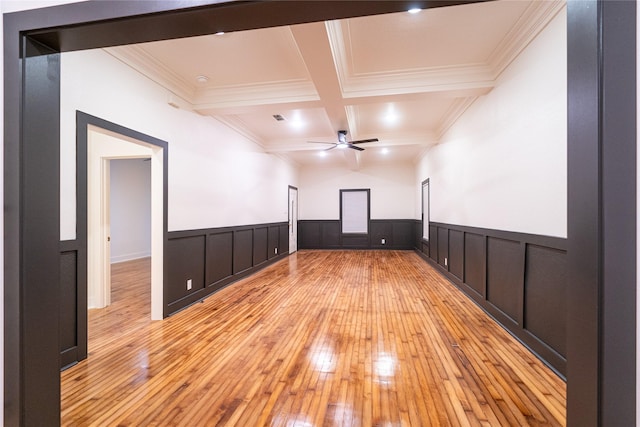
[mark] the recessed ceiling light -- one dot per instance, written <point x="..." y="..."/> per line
<point x="385" y="150"/>
<point x="391" y="116"/>
<point x="219" y="33"/>
<point x="322" y="153"/>
<point x="202" y="79"/>
<point x="414" y="10"/>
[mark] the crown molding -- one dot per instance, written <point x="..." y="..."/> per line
<point x="432" y="79"/>
<point x="237" y="125"/>
<point x="453" y="113"/>
<point x="138" y="59"/>
<point x="281" y="92"/>
<point x="464" y="76"/>
<point x="534" y="19"/>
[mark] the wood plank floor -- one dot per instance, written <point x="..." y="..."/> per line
<point x="321" y="338"/>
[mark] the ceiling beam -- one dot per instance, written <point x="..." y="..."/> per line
<point x="313" y="43"/>
<point x="353" y="159"/>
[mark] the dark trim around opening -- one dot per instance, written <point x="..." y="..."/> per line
<point x="601" y="333"/>
<point x="289" y="221"/>
<point x="425" y="182"/>
<point x="356" y="239"/>
<point x="83" y="121"/>
<point x="601" y="202"/>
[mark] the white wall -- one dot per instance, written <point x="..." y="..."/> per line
<point x="503" y="165"/>
<point x="130" y="209"/>
<point x="216" y="176"/>
<point x="392" y="189"/>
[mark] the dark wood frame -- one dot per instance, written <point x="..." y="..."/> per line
<point x="601" y="178"/>
<point x="291" y="187"/>
<point x="601" y="334"/>
<point x="425" y="182"/>
<point x="83" y="121"/>
<point x="357" y="190"/>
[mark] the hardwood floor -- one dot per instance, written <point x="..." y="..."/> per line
<point x="321" y="338"/>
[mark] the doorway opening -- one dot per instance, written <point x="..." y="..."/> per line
<point x="293" y="219"/>
<point x="103" y="147"/>
<point x="98" y="142"/>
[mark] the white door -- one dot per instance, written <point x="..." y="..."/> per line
<point x="105" y="223"/>
<point x="293" y="219"/>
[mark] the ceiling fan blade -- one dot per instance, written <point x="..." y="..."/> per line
<point x="330" y="148"/>
<point x="320" y="142"/>
<point x="364" y="141"/>
<point x="356" y="148"/>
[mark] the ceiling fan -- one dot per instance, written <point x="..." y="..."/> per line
<point x="343" y="143"/>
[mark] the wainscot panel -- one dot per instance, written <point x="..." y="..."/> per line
<point x="519" y="279"/>
<point x="242" y="250"/>
<point x="474" y="263"/>
<point x="546" y="273"/>
<point x="505" y="276"/>
<point x="214" y="258"/>
<point x="260" y="245"/>
<point x="310" y="234"/>
<point x="325" y="234"/>
<point x="331" y="235"/>
<point x="443" y="247"/>
<point x="184" y="261"/>
<point x="274" y="241"/>
<point x="433" y="243"/>
<point x="283" y="247"/>
<point x="417" y="235"/>
<point x="220" y="257"/>
<point x="73" y="313"/>
<point x="381" y="231"/>
<point x="354" y="241"/>
<point x="456" y="253"/>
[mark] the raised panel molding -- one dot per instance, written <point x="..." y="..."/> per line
<point x="443" y="247"/>
<point x="475" y="274"/>
<point x="184" y="261"/>
<point x="325" y="234"/>
<point x="260" y="245"/>
<point x="242" y="250"/>
<point x="544" y="317"/>
<point x="217" y="257"/>
<point x="456" y="253"/>
<point x="505" y="276"/>
<point x="71" y="350"/>
<point x="519" y="279"/>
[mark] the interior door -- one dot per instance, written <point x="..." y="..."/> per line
<point x="293" y="219"/>
<point x="105" y="216"/>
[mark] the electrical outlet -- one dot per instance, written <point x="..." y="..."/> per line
<point x="189" y="284"/>
<point x="384" y="241"/>
<point x="446" y="261"/>
<point x="275" y="251"/>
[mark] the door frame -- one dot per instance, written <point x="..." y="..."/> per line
<point x="105" y="145"/>
<point x="158" y="151"/>
<point x="601" y="218"/>
<point x="293" y="218"/>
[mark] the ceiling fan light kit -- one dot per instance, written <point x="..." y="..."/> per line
<point x="343" y="143"/>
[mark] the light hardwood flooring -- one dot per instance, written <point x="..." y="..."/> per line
<point x="321" y="338"/>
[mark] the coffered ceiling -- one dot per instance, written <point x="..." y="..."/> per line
<point x="402" y="78"/>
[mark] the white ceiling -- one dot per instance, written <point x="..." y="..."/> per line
<point x="403" y="78"/>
